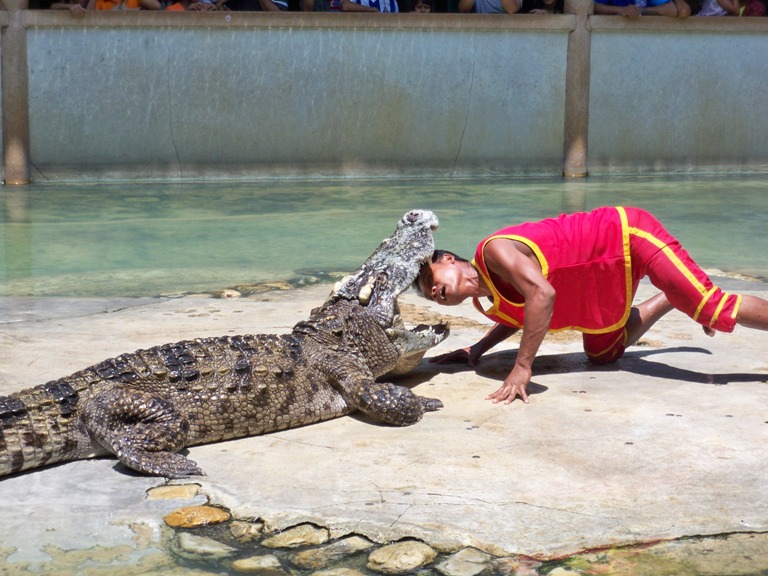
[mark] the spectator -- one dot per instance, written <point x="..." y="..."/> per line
<point x="490" y="6"/>
<point x="422" y="6"/>
<point x="128" y="5"/>
<point x="542" y="7"/>
<point x="720" y="8"/>
<point x="654" y="8"/>
<point x="321" y="5"/>
<point x="274" y="5"/>
<point x="77" y="7"/>
<point x="385" y="6"/>
<point x="754" y="8"/>
<point x="197" y="6"/>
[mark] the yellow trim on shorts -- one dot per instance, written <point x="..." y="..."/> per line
<point x="621" y="336"/>
<point x="704" y="300"/>
<point x="672" y="257"/>
<point x="736" y="307"/>
<point x="726" y="296"/>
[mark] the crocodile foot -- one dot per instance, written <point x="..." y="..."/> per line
<point x="430" y="404"/>
<point x="168" y="464"/>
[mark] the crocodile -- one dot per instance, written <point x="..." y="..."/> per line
<point x="147" y="406"/>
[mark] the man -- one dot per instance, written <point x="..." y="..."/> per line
<point x="384" y="6"/>
<point x="654" y="8"/>
<point x="490" y="6"/>
<point x="580" y="272"/>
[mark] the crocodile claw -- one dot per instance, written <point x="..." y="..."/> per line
<point x="430" y="404"/>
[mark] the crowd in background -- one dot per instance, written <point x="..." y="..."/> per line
<point x="628" y="8"/>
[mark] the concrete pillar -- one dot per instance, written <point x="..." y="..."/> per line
<point x="577" y="91"/>
<point x="15" y="94"/>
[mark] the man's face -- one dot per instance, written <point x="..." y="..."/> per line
<point x="440" y="281"/>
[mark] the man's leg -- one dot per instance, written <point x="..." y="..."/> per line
<point x="753" y="313"/>
<point x="645" y="315"/>
<point x="658" y="255"/>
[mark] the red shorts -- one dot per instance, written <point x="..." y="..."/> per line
<point x="657" y="254"/>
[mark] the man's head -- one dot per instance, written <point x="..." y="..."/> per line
<point x="442" y="278"/>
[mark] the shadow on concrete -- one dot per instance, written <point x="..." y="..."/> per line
<point x="498" y="364"/>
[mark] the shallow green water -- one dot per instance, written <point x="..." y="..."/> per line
<point x="150" y="239"/>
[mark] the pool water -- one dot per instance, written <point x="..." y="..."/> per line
<point x="150" y="239"/>
<point x="131" y="240"/>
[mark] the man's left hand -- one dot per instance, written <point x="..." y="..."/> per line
<point x="514" y="386"/>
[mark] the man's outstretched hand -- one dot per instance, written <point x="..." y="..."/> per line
<point x="514" y="386"/>
<point x="460" y="356"/>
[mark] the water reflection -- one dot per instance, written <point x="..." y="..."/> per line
<point x="148" y="239"/>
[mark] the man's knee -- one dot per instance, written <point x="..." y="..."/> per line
<point x="605" y="348"/>
<point x="603" y="359"/>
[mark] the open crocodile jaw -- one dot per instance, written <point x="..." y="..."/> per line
<point x="392" y="267"/>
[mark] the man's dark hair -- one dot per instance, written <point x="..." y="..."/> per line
<point x="436" y="255"/>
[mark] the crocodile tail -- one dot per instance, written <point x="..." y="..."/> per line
<point x="38" y="426"/>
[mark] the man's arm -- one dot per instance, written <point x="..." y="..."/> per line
<point x="472" y="354"/>
<point x="631" y="11"/>
<point x="350" y="6"/>
<point x="521" y="269"/>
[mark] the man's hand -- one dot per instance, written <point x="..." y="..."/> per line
<point x="463" y="355"/>
<point x="514" y="386"/>
<point x="630" y="11"/>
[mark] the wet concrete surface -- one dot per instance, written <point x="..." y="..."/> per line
<point x="671" y="442"/>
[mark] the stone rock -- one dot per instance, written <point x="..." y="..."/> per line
<point x="174" y="492"/>
<point x="401" y="557"/>
<point x="194" y="516"/>
<point x="559" y="571"/>
<point x="515" y="566"/>
<point x="466" y="562"/>
<point x="266" y="565"/>
<point x="298" y="536"/>
<point x="193" y="547"/>
<point x="226" y="294"/>
<point x="320" y="557"/>
<point x="338" y="572"/>
<point x="734" y="554"/>
<point x="246" y="531"/>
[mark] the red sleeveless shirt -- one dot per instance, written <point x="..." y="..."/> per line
<point x="584" y="256"/>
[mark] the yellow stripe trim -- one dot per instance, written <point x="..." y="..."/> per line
<point x="669" y="253"/>
<point x="495" y="294"/>
<point x="625" y="232"/>
<point x="719" y="309"/>
<point x="736" y="307"/>
<point x="621" y="336"/>
<point x="704" y="300"/>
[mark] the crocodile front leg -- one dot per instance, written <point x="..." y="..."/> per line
<point x="144" y="431"/>
<point x="382" y="401"/>
<point x="394" y="404"/>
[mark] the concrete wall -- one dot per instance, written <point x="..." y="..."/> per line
<point x="187" y="102"/>
<point x="686" y="98"/>
<point x="169" y="96"/>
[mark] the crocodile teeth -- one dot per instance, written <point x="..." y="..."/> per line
<point x="338" y="286"/>
<point x="365" y="293"/>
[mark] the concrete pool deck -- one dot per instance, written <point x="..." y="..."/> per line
<point x="669" y="443"/>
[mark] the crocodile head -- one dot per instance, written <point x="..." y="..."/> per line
<point x="388" y="272"/>
<point x="392" y="267"/>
